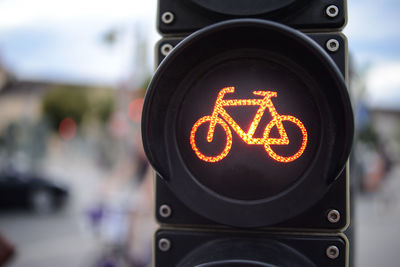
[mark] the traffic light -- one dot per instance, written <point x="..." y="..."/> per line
<point x="248" y="125"/>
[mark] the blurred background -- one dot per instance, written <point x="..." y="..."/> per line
<point x="72" y="80"/>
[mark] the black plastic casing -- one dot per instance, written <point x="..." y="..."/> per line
<point x="306" y="15"/>
<point x="247" y="249"/>
<point x="313" y="218"/>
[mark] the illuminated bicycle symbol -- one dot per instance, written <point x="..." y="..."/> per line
<point x="220" y="116"/>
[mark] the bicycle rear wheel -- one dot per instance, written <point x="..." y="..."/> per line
<point x="303" y="145"/>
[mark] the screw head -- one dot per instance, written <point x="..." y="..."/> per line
<point x="165" y="211"/>
<point x="164" y="244"/>
<point x="332" y="11"/>
<point x="332" y="45"/>
<point x="332" y="252"/>
<point x="166" y="49"/>
<point x="333" y="216"/>
<point x="167" y="17"/>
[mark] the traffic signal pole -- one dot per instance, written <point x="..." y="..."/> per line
<point x="248" y="124"/>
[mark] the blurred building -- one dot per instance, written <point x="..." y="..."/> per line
<point x="21" y="99"/>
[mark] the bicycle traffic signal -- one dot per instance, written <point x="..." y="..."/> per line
<point x="248" y="125"/>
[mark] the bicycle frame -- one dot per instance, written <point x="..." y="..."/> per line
<point x="221" y="117"/>
<point x="264" y="103"/>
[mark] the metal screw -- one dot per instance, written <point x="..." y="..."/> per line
<point x="332" y="45"/>
<point x="332" y="11"/>
<point x="166" y="49"/>
<point x="332" y="252"/>
<point x="164" y="244"/>
<point x="167" y="17"/>
<point x="333" y="216"/>
<point x="165" y="211"/>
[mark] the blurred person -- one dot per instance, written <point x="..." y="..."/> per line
<point x="122" y="216"/>
<point x="387" y="160"/>
<point x="378" y="166"/>
<point x="375" y="171"/>
<point x="142" y="224"/>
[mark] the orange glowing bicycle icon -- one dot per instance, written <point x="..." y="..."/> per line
<point x="220" y="116"/>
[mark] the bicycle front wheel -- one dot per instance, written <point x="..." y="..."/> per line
<point x="228" y="144"/>
<point x="303" y="145"/>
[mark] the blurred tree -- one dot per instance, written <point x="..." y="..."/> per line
<point x="65" y="101"/>
<point x="110" y="37"/>
<point x="102" y="105"/>
<point x="77" y="103"/>
<point x="368" y="135"/>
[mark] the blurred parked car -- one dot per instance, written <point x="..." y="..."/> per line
<point x="25" y="190"/>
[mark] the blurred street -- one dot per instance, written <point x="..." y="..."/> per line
<point x="377" y="219"/>
<point x="63" y="238"/>
<point x="48" y="240"/>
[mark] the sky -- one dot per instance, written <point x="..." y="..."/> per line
<point x="64" y="40"/>
<point x="374" y="41"/>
